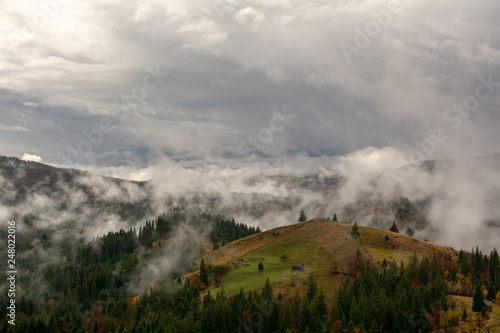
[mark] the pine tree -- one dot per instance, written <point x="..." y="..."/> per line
<point x="394" y="227"/>
<point x="319" y="310"/>
<point x="287" y="321"/>
<point x="302" y="216"/>
<point x="304" y="316"/>
<point x="261" y="266"/>
<point x="495" y="268"/>
<point x="296" y="304"/>
<point x="267" y="291"/>
<point x="203" y="273"/>
<point x="355" y="230"/>
<point x="312" y="288"/>
<point x="491" y="292"/>
<point x="335" y="218"/>
<point x="343" y="324"/>
<point x="478" y="301"/>
<point x="384" y="263"/>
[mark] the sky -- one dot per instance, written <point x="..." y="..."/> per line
<point x="109" y="84"/>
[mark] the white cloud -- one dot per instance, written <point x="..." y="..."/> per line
<point x="31" y="157"/>
<point x="14" y="128"/>
<point x="249" y="16"/>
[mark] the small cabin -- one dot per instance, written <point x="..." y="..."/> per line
<point x="489" y="306"/>
<point x="297" y="267"/>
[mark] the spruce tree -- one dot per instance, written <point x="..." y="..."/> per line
<point x="491" y="292"/>
<point x="287" y="321"/>
<point x="355" y="230"/>
<point x="203" y="273"/>
<point x="394" y="227"/>
<point x="494" y="268"/>
<point x="312" y="288"/>
<point x="335" y="217"/>
<point x="267" y="291"/>
<point x="478" y="304"/>
<point x="261" y="266"/>
<point x="296" y="304"/>
<point x="302" y="216"/>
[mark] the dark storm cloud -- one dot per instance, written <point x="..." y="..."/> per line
<point x="230" y="63"/>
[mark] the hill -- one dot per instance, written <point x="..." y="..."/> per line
<point x="326" y="248"/>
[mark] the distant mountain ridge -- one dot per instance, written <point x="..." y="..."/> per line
<point x="31" y="189"/>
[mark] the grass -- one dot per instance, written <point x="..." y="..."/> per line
<point x="250" y="278"/>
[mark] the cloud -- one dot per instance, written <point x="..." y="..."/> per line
<point x="14" y="128"/>
<point x="227" y="72"/>
<point x="31" y="157"/>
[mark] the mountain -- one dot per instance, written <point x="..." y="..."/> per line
<point x="67" y="203"/>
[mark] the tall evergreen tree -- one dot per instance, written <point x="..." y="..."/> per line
<point x="495" y="268"/>
<point x="302" y="216"/>
<point x="203" y="273"/>
<point x="335" y="217"/>
<point x="267" y="291"/>
<point x="312" y="288"/>
<point x="478" y="304"/>
<point x="296" y="305"/>
<point x="355" y="230"/>
<point x="287" y="321"/>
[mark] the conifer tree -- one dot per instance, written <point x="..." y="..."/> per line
<point x="296" y="304"/>
<point x="491" y="292"/>
<point x="203" y="273"/>
<point x="478" y="304"/>
<point x="287" y="321"/>
<point x="335" y="218"/>
<point x="312" y="288"/>
<point x="261" y="266"/>
<point x="495" y="268"/>
<point x="355" y="230"/>
<point x="394" y="227"/>
<point x="267" y="291"/>
<point x="302" y="216"/>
